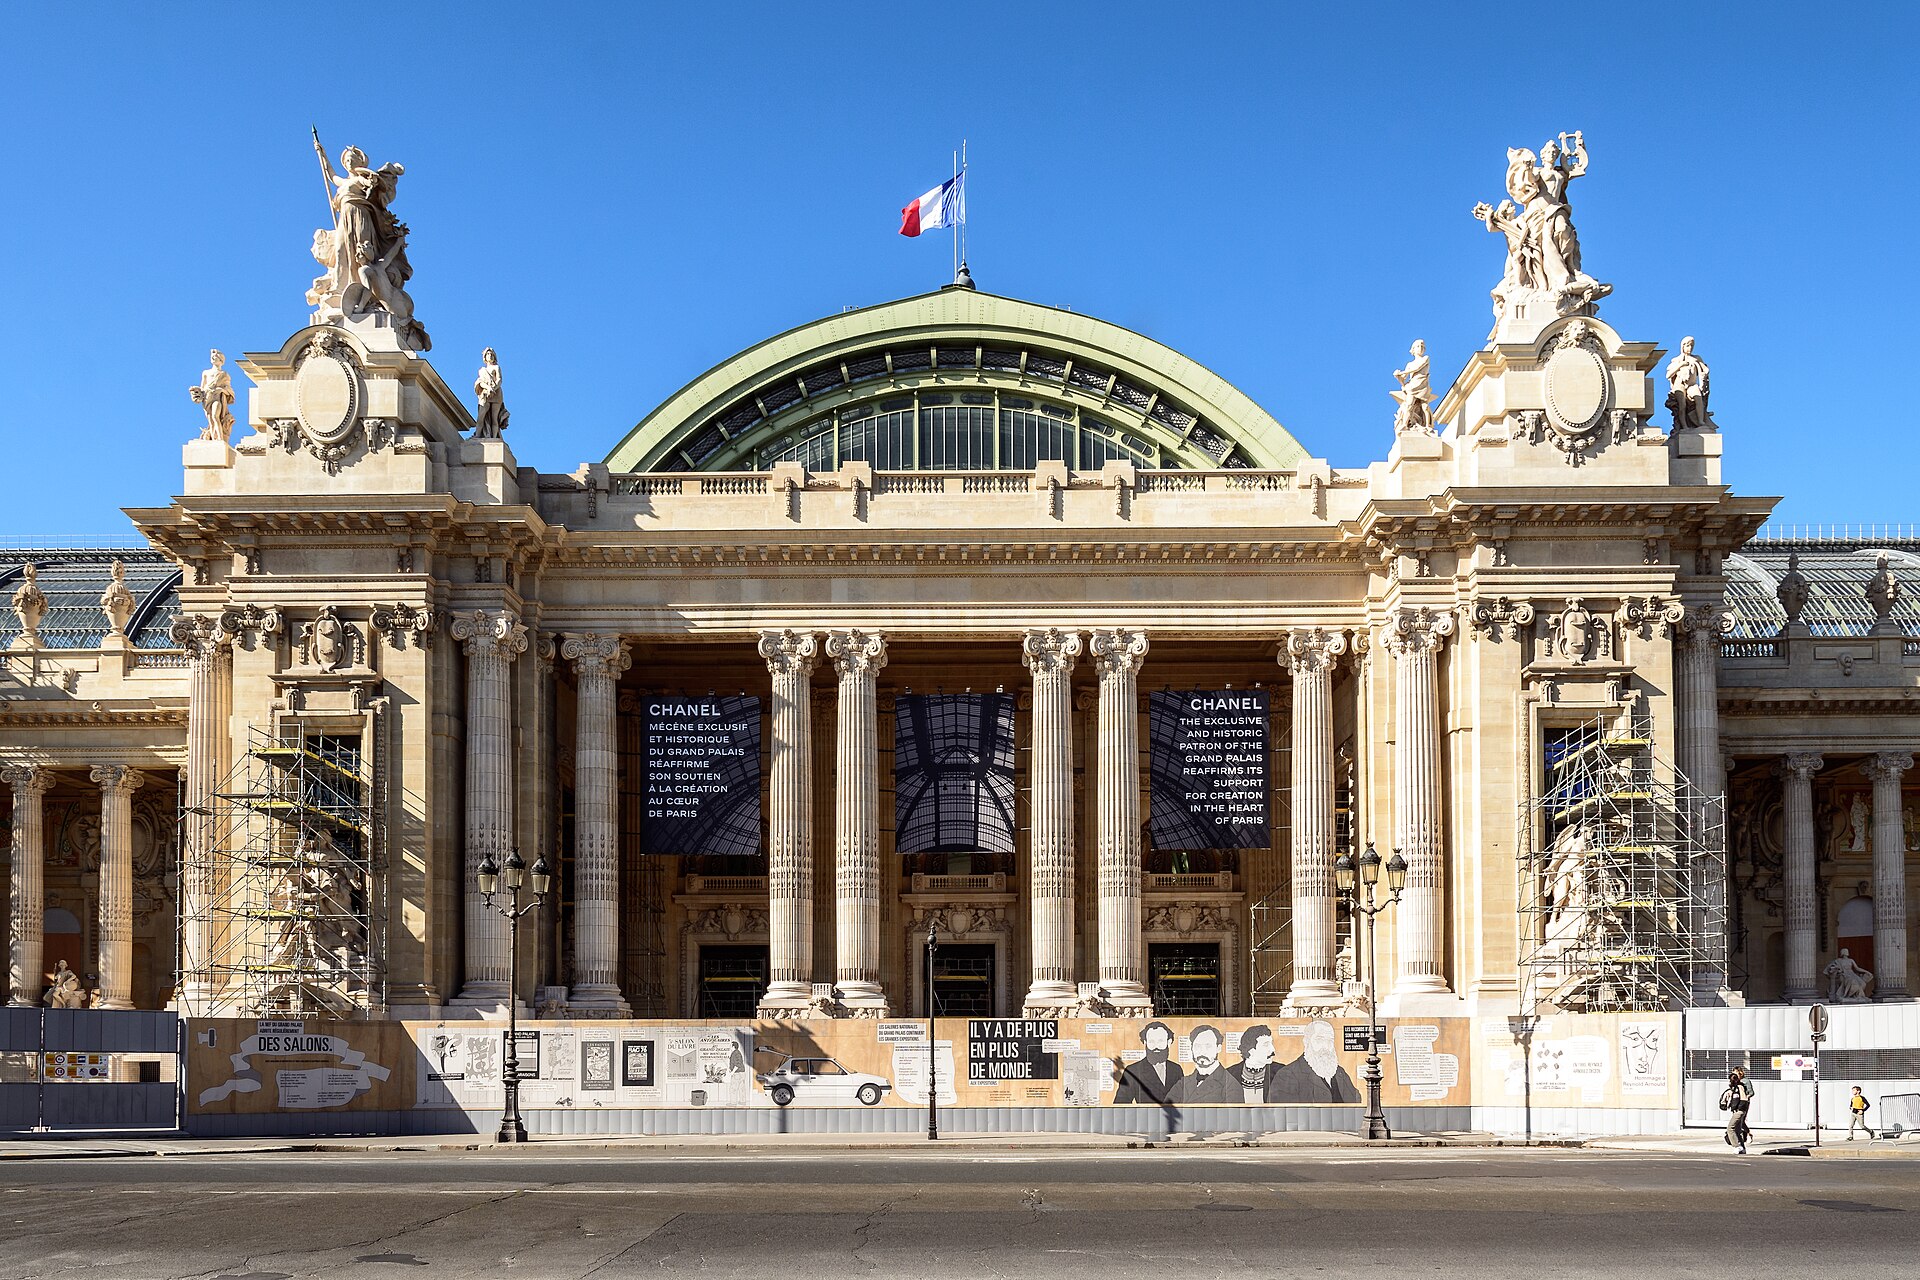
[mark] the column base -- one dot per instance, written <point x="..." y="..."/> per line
<point x="598" y="1000"/>
<point x="480" y="1000"/>
<point x="1120" y="999"/>
<point x="1051" y="999"/>
<point x="1315" y="995"/>
<point x="1422" y="1003"/>
<point x="860" y="1000"/>
<point x="114" y="1004"/>
<point x="789" y="1001"/>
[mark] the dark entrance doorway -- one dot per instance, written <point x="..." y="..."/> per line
<point x="1185" y="978"/>
<point x="732" y="980"/>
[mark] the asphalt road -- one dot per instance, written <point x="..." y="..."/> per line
<point x="785" y="1216"/>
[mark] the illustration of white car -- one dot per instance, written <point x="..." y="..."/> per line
<point x="821" y="1080"/>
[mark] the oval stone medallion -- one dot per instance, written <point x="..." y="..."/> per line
<point x="1576" y="386"/>
<point x="326" y="394"/>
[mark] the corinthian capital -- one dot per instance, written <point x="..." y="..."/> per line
<point x="857" y="653"/>
<point x="486" y="635"/>
<point x="1050" y="652"/>
<point x="118" y="779"/>
<point x="1418" y="630"/>
<point x="1802" y="764"/>
<point x="252" y="620"/>
<point x="593" y="654"/>
<point x="1888" y="766"/>
<point x="1708" y="621"/>
<point x="200" y="635"/>
<point x="1117" y="653"/>
<point x="1311" y="649"/>
<point x="789" y="653"/>
<point x="27" y="780"/>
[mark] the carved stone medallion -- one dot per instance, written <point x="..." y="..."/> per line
<point x="1576" y="385"/>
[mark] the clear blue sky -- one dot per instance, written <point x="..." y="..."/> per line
<point x="619" y="196"/>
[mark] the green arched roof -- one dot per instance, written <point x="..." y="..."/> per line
<point x="957" y="340"/>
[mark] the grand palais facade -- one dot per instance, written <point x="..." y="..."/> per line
<point x="967" y="613"/>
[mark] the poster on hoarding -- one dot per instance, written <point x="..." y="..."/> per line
<point x="1209" y="769"/>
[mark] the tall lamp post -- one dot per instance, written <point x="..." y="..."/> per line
<point x="1360" y="890"/>
<point x="493" y="879"/>
<point x="933" y="1122"/>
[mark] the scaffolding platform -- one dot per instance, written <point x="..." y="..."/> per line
<point x="295" y="912"/>
<point x="1618" y="877"/>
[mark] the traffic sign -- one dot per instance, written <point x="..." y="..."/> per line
<point x="1817" y="1019"/>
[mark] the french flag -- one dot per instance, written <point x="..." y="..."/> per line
<point x="944" y="206"/>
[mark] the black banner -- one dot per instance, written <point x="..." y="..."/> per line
<point x="1011" y="1049"/>
<point x="953" y="786"/>
<point x="1209" y="769"/>
<point x="701" y="758"/>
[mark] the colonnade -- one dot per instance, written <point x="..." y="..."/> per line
<point x="1800" y="855"/>
<point x="26" y="972"/>
<point x="492" y="641"/>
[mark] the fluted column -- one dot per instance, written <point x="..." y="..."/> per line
<point x="1797" y="771"/>
<point x="1416" y="637"/>
<point x="117" y="784"/>
<point x="1309" y="656"/>
<point x="790" y="656"/>
<point x="1889" y="876"/>
<point x="1049" y="655"/>
<point x="209" y="708"/>
<point x="598" y="662"/>
<point x="491" y="641"/>
<point x="1697" y="656"/>
<point x="1117" y="656"/>
<point x="26" y="917"/>
<point x="858" y="656"/>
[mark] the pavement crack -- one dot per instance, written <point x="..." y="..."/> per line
<point x="627" y="1248"/>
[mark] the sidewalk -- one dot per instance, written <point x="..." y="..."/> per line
<point x="1692" y="1142"/>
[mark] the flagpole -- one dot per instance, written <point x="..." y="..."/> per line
<point x="963" y="202"/>
<point x="956" y="230"/>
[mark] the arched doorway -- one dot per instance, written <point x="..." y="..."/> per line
<point x="1855" y="932"/>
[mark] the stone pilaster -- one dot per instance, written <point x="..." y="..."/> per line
<point x="209" y="652"/>
<point x="1797" y="772"/>
<point x="1889" y="877"/>
<point x="117" y="784"/>
<point x="491" y="642"/>
<point x="1698" y="683"/>
<point x="1117" y="656"/>
<point x="1309" y="656"/>
<point x="598" y="662"/>
<point x="858" y="656"/>
<point x="27" y="918"/>
<point x="1049" y="655"/>
<point x="1416" y="637"/>
<point x="790" y="658"/>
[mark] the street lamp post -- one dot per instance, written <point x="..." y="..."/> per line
<point x="933" y="1122"/>
<point x="493" y="879"/>
<point x="1355" y="886"/>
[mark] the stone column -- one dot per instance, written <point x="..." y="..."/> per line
<point x="790" y="656"/>
<point x="1889" y="877"/>
<point x="209" y="708"/>
<point x="1416" y="637"/>
<point x="598" y="662"/>
<point x="1309" y="656"/>
<point x="1797" y="772"/>
<point x="491" y="642"/>
<point x="1049" y="655"/>
<point x="858" y="656"/>
<point x="1117" y="656"/>
<point x="27" y="918"/>
<point x="1697" y="681"/>
<point x="117" y="784"/>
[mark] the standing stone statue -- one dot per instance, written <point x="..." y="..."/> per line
<point x="117" y="602"/>
<point x="490" y="418"/>
<point x="1415" y="414"/>
<point x="365" y="254"/>
<point x="1687" y="390"/>
<point x="1543" y="249"/>
<point x="29" y="606"/>
<point x="1793" y="591"/>
<point x="215" y="396"/>
<point x="1882" y="592"/>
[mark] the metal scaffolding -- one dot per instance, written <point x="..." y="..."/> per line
<point x="296" y="903"/>
<point x="1621" y="885"/>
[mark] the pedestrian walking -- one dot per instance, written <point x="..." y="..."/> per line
<point x="1858" y="1105"/>
<point x="1735" y="1099"/>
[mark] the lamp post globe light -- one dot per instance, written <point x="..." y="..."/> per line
<point x="494" y="879"/>
<point x="1360" y="883"/>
